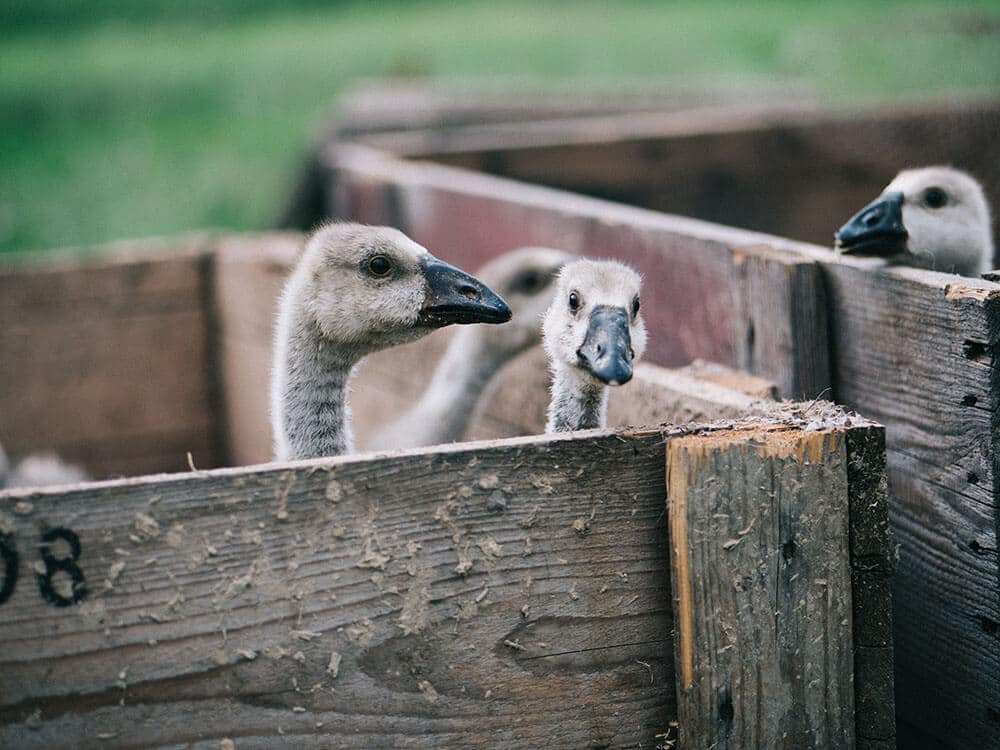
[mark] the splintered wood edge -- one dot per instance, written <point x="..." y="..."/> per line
<point x="773" y="419"/>
<point x="688" y="454"/>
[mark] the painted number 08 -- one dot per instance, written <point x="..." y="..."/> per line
<point x="52" y="564"/>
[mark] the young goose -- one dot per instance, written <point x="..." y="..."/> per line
<point x="356" y="289"/>
<point x="524" y="278"/>
<point x="935" y="217"/>
<point x="592" y="334"/>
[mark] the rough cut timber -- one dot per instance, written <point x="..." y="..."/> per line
<point x="913" y="349"/>
<point x="789" y="169"/>
<point x="107" y="359"/>
<point x="761" y="606"/>
<point x="513" y="593"/>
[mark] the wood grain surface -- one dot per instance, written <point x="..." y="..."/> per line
<point x="107" y="360"/>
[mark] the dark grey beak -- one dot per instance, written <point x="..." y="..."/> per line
<point x="877" y="229"/>
<point x="453" y="296"/>
<point x="607" y="349"/>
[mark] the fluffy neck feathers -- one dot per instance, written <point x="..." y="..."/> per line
<point x="309" y="403"/>
<point x="578" y="403"/>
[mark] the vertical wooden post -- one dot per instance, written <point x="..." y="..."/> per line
<point x="762" y="589"/>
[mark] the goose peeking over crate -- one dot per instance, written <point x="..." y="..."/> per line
<point x="723" y="583"/>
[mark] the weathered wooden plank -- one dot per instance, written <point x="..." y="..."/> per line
<point x="789" y="170"/>
<point x="698" y="277"/>
<point x="916" y="350"/>
<point x="250" y="272"/>
<point x="727" y="377"/>
<point x="511" y="594"/>
<point x="762" y="588"/>
<point x="100" y="352"/>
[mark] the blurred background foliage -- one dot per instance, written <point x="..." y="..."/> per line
<point x="125" y="118"/>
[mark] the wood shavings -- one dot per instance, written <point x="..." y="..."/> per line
<point x="247" y="654"/>
<point x="490" y="548"/>
<point x="113" y="572"/>
<point x="304" y="635"/>
<point x="581" y="525"/>
<point x="146" y="527"/>
<point x="515" y="644"/>
<point x="531" y="520"/>
<point x="333" y="667"/>
<point x="428" y="690"/>
<point x="23" y="508"/>
<point x="225" y="743"/>
<point x="371" y="548"/>
<point x="333" y="492"/>
<point x="175" y="535"/>
<point x="541" y="483"/>
<point x="282" y="497"/>
<point x="361" y="632"/>
<point x="413" y="616"/>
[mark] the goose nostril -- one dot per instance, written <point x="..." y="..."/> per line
<point x="871" y="218"/>
<point x="600" y="350"/>
<point x="469" y="291"/>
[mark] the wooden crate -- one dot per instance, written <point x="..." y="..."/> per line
<point x="787" y="167"/>
<point x="506" y="593"/>
<point x="913" y="349"/>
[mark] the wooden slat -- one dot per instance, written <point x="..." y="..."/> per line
<point x="916" y="351"/>
<point x="250" y="272"/>
<point x="698" y="278"/>
<point x="98" y="352"/>
<point x="511" y="593"/>
<point x="788" y="170"/>
<point x="216" y="601"/>
<point x="761" y="577"/>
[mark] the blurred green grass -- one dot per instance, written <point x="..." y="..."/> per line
<point x="122" y="118"/>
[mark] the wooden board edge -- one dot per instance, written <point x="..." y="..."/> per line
<point x="872" y="566"/>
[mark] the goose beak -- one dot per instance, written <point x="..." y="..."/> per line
<point x="607" y="349"/>
<point x="453" y="296"/>
<point x="877" y="229"/>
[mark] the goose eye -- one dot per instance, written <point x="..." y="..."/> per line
<point x="635" y="306"/>
<point x="574" y="301"/>
<point x="378" y="265"/>
<point x="528" y="282"/>
<point x="935" y="197"/>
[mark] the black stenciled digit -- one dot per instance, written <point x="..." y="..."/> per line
<point x="8" y="553"/>
<point x="66" y="565"/>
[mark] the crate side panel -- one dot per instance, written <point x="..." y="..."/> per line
<point x="513" y="594"/>
<point x="103" y="354"/>
<point x="912" y="351"/>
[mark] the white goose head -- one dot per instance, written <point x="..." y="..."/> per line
<point x="934" y="217"/>
<point x="593" y="326"/>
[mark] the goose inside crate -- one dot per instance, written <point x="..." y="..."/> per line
<point x="511" y="593"/>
